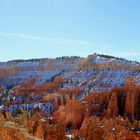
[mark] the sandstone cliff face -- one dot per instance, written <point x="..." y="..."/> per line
<point x="101" y="62"/>
<point x="20" y="69"/>
<point x="96" y="116"/>
<point x="130" y="105"/>
<point x="113" y="105"/>
<point x="5" y="72"/>
<point x="107" y="129"/>
<point x="73" y="113"/>
<point x="121" y="101"/>
<point x="10" y="134"/>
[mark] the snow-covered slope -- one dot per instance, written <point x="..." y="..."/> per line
<point x="99" y="80"/>
<point x="41" y="77"/>
<point x="91" y="74"/>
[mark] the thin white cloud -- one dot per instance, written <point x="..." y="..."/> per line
<point x="45" y="38"/>
<point x="75" y="41"/>
<point x="24" y="36"/>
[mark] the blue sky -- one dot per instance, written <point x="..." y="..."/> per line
<point x="53" y="28"/>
